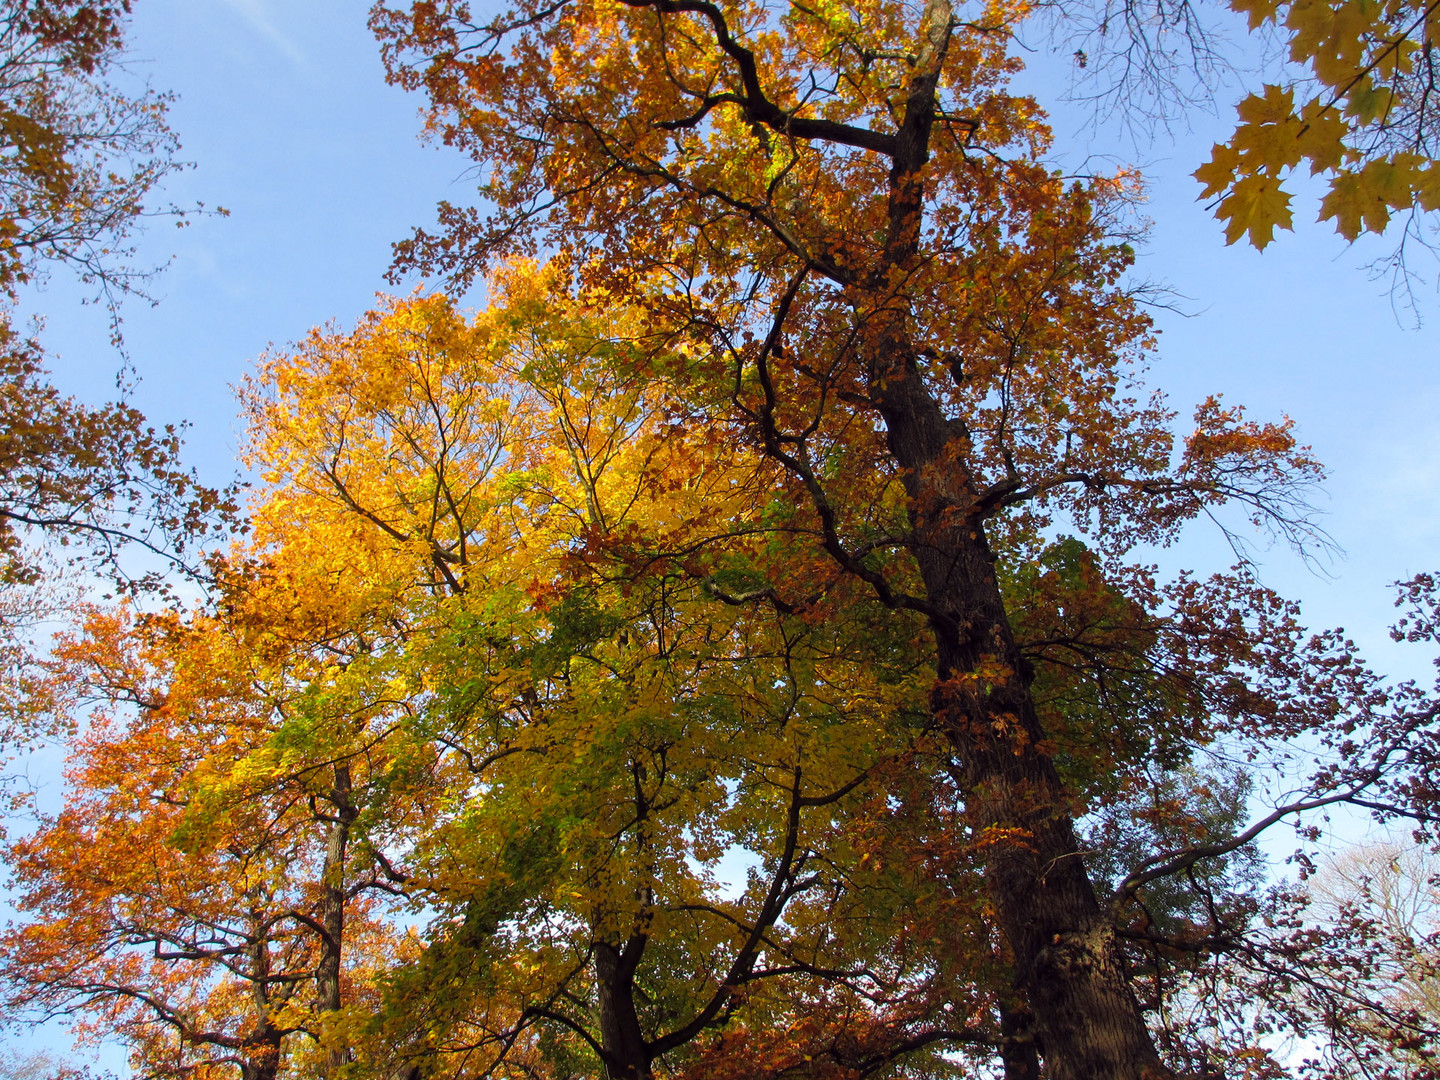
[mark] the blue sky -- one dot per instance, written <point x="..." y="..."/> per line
<point x="283" y="108"/>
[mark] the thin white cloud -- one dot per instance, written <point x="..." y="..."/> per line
<point x="256" y="14"/>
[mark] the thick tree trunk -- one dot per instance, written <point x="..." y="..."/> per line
<point x="332" y="913"/>
<point x="1064" y="946"/>
<point x="263" y="1062"/>
<point x="627" y="1054"/>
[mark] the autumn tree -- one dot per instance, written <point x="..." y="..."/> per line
<point x="522" y="645"/>
<point x="204" y="914"/>
<point x="80" y="160"/>
<point x="410" y="682"/>
<point x="81" y="156"/>
<point x="593" y="734"/>
<point x="846" y="221"/>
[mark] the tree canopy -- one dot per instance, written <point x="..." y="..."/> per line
<point x="735" y="651"/>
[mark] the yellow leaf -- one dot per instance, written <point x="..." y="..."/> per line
<point x="1351" y="206"/>
<point x="1366" y="102"/>
<point x="1427" y="188"/>
<point x="1218" y="173"/>
<point x="1274" y="108"/>
<point x="1393" y="180"/>
<point x="1321" y="137"/>
<point x="1256" y="206"/>
<point x="1257" y="11"/>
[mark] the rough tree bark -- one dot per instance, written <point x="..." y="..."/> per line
<point x="332" y="911"/>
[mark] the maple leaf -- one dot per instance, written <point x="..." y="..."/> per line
<point x="1427" y="188"/>
<point x="1258" y="12"/>
<point x="1366" y="94"/>
<point x="1274" y="106"/>
<point x="1353" y="206"/>
<point x="1321" y="138"/>
<point x="1255" y="206"/>
<point x="1218" y="173"/>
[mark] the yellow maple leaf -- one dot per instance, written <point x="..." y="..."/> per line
<point x="1218" y="173"/>
<point x="1321" y="137"/>
<point x="1274" y="107"/>
<point x="1256" y="205"/>
<point x="1257" y="11"/>
<point x="1353" y="208"/>
<point x="1394" y="179"/>
<point x="1271" y="147"/>
<point x="1427" y="188"/>
<point x="1367" y="102"/>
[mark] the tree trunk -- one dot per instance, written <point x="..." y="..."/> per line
<point x="332" y="915"/>
<point x="1066" y="956"/>
<point x="1064" y="946"/>
<point x="264" y="1066"/>
<point x="626" y="1053"/>
<point x="260" y="1052"/>
<point x="261" y="1049"/>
